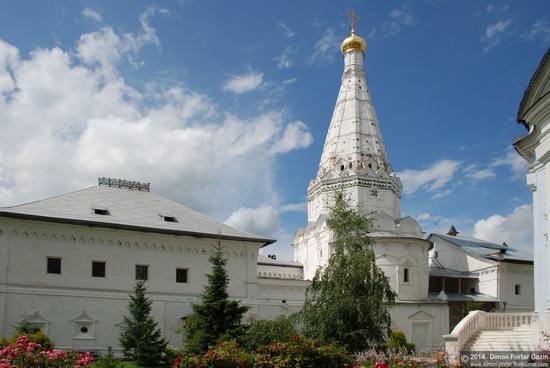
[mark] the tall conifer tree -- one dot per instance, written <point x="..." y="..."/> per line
<point x="215" y="318"/>
<point x="142" y="341"/>
<point x="349" y="300"/>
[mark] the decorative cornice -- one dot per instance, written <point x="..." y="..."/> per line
<point x="349" y="182"/>
<point x="119" y="243"/>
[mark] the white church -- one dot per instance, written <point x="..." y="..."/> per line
<point x="68" y="263"/>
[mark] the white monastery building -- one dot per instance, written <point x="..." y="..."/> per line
<point x="69" y="263"/>
<point x="534" y="147"/>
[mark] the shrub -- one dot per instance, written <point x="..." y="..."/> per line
<point x="4" y="342"/>
<point x="26" y="353"/>
<point x="224" y="355"/>
<point x="38" y="337"/>
<point x="108" y="360"/>
<point x="303" y="352"/>
<point x="264" y="332"/>
<point x="398" y="341"/>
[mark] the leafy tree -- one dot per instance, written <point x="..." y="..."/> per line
<point x="265" y="332"/>
<point x="215" y="318"/>
<point x="349" y="300"/>
<point x="142" y="341"/>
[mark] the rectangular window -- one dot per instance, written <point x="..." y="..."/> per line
<point x="518" y="289"/>
<point x="142" y="272"/>
<point x="54" y="265"/>
<point x="181" y="275"/>
<point x="98" y="269"/>
<point x="405" y="275"/>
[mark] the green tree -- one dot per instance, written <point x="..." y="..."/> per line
<point x="215" y="318"/>
<point x="142" y="341"/>
<point x="349" y="300"/>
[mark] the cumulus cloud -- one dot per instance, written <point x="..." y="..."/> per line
<point x="429" y="179"/>
<point x="260" y="221"/>
<point x="69" y="117"/>
<point x="243" y="83"/>
<point x="516" y="229"/>
<point x="494" y="33"/>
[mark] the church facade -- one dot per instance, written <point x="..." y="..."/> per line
<point x="354" y="160"/>
<point x="534" y="114"/>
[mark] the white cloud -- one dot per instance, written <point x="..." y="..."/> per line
<point x="260" y="221"/>
<point x="518" y="165"/>
<point x="68" y="118"/>
<point x="243" y="83"/>
<point x="539" y="29"/>
<point x="87" y="12"/>
<point x="288" y="33"/>
<point x="399" y="18"/>
<point x="516" y="229"/>
<point x="493" y="34"/>
<point x="430" y="179"/>
<point x="283" y="60"/>
<point x="295" y="135"/>
<point x="475" y="173"/>
<point x="325" y="47"/>
<point x="294" y="207"/>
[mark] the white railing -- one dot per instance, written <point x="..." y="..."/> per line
<point x="480" y="320"/>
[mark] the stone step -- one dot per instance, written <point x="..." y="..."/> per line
<point x="517" y="339"/>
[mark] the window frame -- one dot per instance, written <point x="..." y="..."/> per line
<point x="181" y="269"/>
<point x="51" y="268"/>
<point x="104" y="270"/>
<point x="139" y="270"/>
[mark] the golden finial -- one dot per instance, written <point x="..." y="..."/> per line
<point x="353" y="18"/>
<point x="353" y="42"/>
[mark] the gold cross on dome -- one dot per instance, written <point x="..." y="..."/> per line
<point x="353" y="18"/>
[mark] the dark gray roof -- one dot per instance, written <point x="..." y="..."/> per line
<point x="129" y="209"/>
<point x="459" y="297"/>
<point x="487" y="249"/>
<point x="447" y="272"/>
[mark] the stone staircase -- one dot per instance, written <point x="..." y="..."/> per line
<point x="517" y="339"/>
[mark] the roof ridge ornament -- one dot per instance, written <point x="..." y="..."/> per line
<point x="122" y="183"/>
<point x="353" y="42"/>
<point x="352" y="18"/>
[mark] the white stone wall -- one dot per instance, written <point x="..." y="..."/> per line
<point x="424" y="324"/>
<point x="61" y="304"/>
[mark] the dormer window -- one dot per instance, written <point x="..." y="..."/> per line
<point x="101" y="210"/>
<point x="168" y="218"/>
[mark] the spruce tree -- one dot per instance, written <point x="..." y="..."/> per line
<point x="215" y="318"/>
<point x="349" y="300"/>
<point x="142" y="341"/>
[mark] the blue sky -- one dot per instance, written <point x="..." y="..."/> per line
<point x="223" y="106"/>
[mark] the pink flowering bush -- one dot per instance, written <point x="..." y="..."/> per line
<point x="26" y="353"/>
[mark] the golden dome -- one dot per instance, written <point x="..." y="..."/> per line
<point x="354" y="42"/>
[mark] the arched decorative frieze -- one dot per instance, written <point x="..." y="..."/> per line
<point x="91" y="241"/>
<point x="72" y="239"/>
<point x="100" y="241"/>
<point x="109" y="243"/>
<point x="81" y="240"/>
